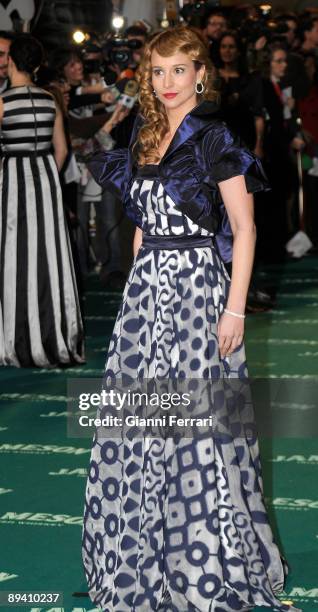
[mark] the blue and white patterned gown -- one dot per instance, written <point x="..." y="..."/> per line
<point x="176" y="527"/>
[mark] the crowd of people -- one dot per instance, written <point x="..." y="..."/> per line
<point x="265" y="70"/>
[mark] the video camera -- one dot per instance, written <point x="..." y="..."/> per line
<point x="251" y="29"/>
<point x="196" y="10"/>
<point x="119" y="51"/>
<point x="115" y="50"/>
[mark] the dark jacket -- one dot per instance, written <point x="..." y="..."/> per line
<point x="202" y="153"/>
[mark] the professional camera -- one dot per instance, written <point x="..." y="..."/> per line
<point x="114" y="51"/>
<point x="119" y="51"/>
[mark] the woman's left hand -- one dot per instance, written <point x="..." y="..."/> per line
<point x="118" y="115"/>
<point x="230" y="333"/>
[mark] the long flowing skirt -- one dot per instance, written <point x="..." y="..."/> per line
<point x="177" y="525"/>
<point x="40" y="319"/>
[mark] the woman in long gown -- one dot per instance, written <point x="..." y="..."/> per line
<point x="40" y="319"/>
<point x="180" y="524"/>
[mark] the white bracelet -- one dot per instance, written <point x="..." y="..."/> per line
<point x="234" y="314"/>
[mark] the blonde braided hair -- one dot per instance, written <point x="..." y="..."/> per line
<point x="179" y="39"/>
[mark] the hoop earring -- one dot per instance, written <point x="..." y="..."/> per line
<point x="202" y="87"/>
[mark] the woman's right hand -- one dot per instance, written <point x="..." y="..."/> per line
<point x="121" y="112"/>
<point x="118" y="115"/>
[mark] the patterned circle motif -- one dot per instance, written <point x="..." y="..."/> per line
<point x="162" y="524"/>
<point x="209" y="585"/>
<point x="197" y="554"/>
<point x="111" y="525"/>
<point x="110" y="561"/>
<point x="95" y="507"/>
<point x="179" y="582"/>
<point x="110" y="489"/>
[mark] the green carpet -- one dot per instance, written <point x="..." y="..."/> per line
<point x="43" y="472"/>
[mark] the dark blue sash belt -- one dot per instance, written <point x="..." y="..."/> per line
<point x="176" y="242"/>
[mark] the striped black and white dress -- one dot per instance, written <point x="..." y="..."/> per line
<point x="40" y="320"/>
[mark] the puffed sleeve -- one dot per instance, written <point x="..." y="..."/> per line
<point x="112" y="169"/>
<point x="226" y="158"/>
<point x="109" y="169"/>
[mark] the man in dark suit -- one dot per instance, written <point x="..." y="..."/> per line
<point x="5" y="43"/>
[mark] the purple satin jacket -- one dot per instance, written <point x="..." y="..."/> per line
<point x="202" y="153"/>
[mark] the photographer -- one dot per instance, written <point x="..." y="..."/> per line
<point x="70" y="65"/>
<point x="83" y="126"/>
<point x="118" y="58"/>
<point x="136" y="33"/>
<point x="122" y="55"/>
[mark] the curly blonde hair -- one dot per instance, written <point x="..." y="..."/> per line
<point x="179" y="39"/>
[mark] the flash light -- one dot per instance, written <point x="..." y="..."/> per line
<point x="118" y="22"/>
<point x="79" y="37"/>
<point x="265" y="8"/>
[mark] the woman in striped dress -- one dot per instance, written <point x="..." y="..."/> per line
<point x="40" y="321"/>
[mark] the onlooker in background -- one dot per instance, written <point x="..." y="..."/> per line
<point x="69" y="65"/>
<point x="40" y="319"/>
<point x="5" y="42"/>
<point x="289" y="25"/>
<point x="308" y="110"/>
<point x="308" y="32"/>
<point x="295" y="75"/>
<point x="213" y="25"/>
<point x="242" y="109"/>
<point x="280" y="136"/>
<point x="241" y="93"/>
